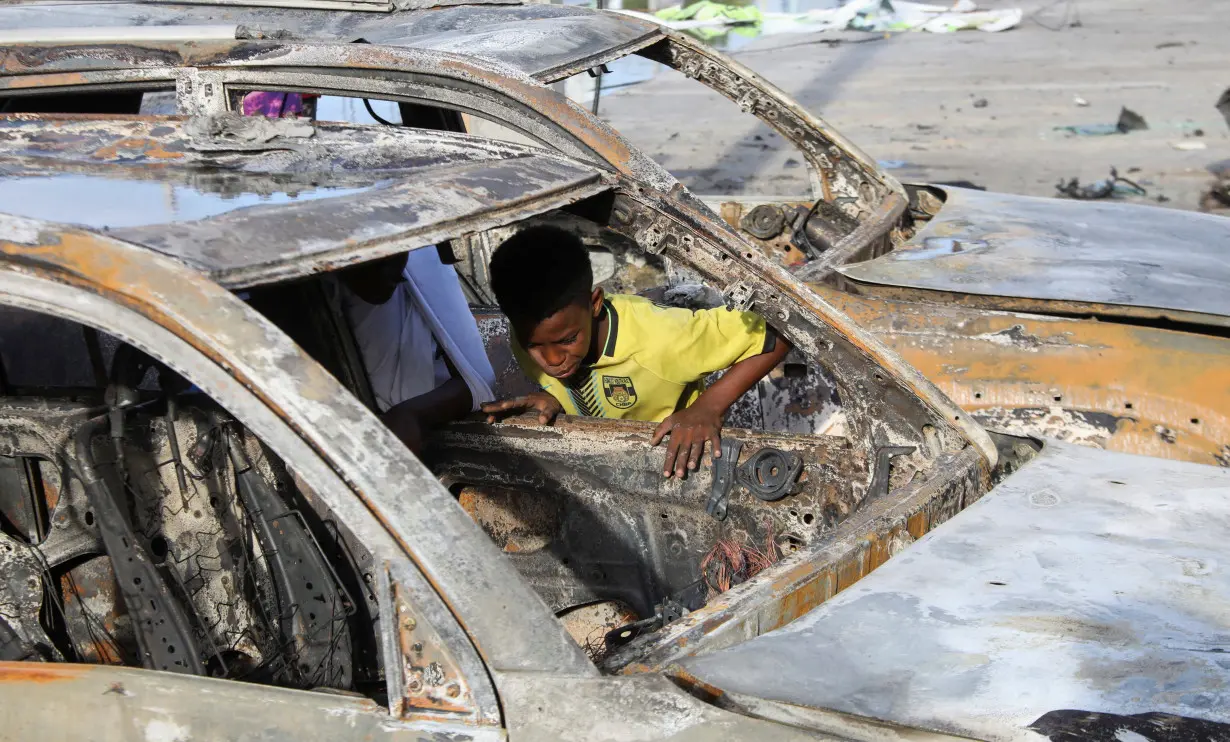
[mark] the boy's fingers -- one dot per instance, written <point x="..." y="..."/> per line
<point x="672" y="451"/>
<point x="681" y="454"/>
<point x="715" y="440"/>
<point x="698" y="450"/>
<point x="660" y="432"/>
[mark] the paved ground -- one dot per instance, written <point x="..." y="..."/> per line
<point x="909" y="98"/>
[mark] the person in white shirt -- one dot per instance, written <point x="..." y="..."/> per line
<point x="418" y="340"/>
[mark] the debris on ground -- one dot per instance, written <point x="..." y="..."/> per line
<point x="981" y="103"/>
<point x="1189" y="145"/>
<point x="1111" y="187"/>
<point x="1223" y="105"/>
<point x="1080" y="101"/>
<point x="880" y="16"/>
<point x="1217" y="198"/>
<point x="1128" y="121"/>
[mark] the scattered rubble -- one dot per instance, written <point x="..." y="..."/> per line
<point x="1128" y="121"/>
<point x="1111" y="187"/>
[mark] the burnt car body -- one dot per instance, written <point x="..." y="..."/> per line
<point x="207" y="453"/>
<point x="1101" y="324"/>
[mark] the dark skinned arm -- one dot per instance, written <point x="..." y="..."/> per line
<point x="410" y="419"/>
<point x="690" y="428"/>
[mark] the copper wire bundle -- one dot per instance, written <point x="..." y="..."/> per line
<point x="729" y="563"/>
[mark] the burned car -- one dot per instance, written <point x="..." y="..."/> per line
<point x="207" y="533"/>
<point x="1101" y="324"/>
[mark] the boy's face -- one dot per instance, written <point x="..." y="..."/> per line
<point x="560" y="343"/>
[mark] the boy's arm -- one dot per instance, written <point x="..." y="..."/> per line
<point x="450" y="401"/>
<point x="691" y="427"/>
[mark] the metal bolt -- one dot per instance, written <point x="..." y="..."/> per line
<point x="415" y="685"/>
<point x="408" y="623"/>
<point x="453" y="690"/>
<point x="417" y="647"/>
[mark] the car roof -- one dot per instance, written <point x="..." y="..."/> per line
<point x="548" y="42"/>
<point x="252" y="200"/>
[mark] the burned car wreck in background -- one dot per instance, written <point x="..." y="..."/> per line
<point x="209" y="456"/>
<point x="1002" y="301"/>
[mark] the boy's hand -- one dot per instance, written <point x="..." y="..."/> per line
<point x="689" y="429"/>
<point x="548" y="407"/>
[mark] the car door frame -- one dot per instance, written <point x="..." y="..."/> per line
<point x="336" y="446"/>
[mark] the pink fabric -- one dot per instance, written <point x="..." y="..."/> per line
<point x="272" y="104"/>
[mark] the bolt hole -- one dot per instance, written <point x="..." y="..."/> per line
<point x="794" y="513"/>
<point x="214" y="502"/>
<point x="170" y="649"/>
<point x="136" y="580"/>
<point x="977" y="395"/>
<point x="1195" y="421"/>
<point x="665" y="516"/>
<point x="808" y="519"/>
<point x="1057" y="398"/>
<point x="159" y="547"/>
<point x="995" y="582"/>
<point x="89" y="518"/>
<point x="1128" y="405"/>
<point x="749" y="256"/>
<point x="308" y="586"/>
<point x="311" y="616"/>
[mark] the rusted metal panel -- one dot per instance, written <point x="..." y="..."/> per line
<point x="1127" y="388"/>
<point x="813" y="574"/>
<point x="1121" y="258"/>
<point x="398" y="510"/>
<point x="120" y="704"/>
<point x="1088" y="581"/>
<point x="546" y="41"/>
<point x="333" y="194"/>
<point x="592" y="517"/>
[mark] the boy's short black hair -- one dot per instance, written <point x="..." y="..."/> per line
<point x="539" y="271"/>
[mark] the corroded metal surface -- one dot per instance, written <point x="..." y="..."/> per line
<point x="590" y="516"/>
<point x="1117" y="258"/>
<point x="1088" y="581"/>
<point x="120" y="704"/>
<point x="886" y="401"/>
<point x="1134" y="389"/>
<point x="546" y="41"/>
<point x="848" y="178"/>
<point x="202" y="73"/>
<point x="778" y="596"/>
<point x="333" y="194"/>
<point x="259" y="360"/>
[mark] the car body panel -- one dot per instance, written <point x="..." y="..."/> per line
<point x="119" y="703"/>
<point x="1135" y="389"/>
<point x="1117" y="258"/>
<point x="548" y="42"/>
<point x="355" y="192"/>
<point x="1088" y="581"/>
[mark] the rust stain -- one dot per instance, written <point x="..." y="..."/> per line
<point x="33" y="672"/>
<point x="146" y="147"/>
<point x="1141" y="379"/>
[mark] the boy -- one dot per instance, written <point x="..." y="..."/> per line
<point x="623" y="356"/>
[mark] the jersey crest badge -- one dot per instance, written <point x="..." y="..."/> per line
<point x="619" y="391"/>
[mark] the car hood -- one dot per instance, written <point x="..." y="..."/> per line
<point x="1050" y="255"/>
<point x="1088" y="581"/>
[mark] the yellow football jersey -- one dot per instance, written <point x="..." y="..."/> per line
<point x="654" y="359"/>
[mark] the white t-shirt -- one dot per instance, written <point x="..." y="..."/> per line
<point x="404" y="341"/>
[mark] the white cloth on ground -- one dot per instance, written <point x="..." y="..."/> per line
<point x="401" y="340"/>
